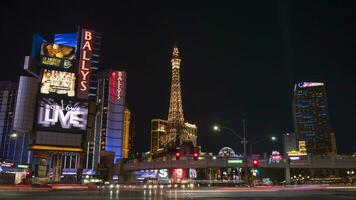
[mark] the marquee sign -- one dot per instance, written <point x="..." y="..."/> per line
<point x="118" y="85"/>
<point x="85" y="60"/>
<point x="61" y="115"/>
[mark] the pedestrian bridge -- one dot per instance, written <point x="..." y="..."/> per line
<point x="233" y="162"/>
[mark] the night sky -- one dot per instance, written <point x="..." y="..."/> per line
<point x="239" y="59"/>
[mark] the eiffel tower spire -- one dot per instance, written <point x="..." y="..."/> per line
<point x="175" y="123"/>
<point x="175" y="113"/>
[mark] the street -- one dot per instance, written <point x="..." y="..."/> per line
<point x="305" y="193"/>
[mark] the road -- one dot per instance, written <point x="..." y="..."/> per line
<point x="275" y="193"/>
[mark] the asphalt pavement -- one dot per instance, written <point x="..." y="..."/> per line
<point x="275" y="193"/>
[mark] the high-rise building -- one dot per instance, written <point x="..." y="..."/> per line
<point x="158" y="128"/>
<point x="176" y="131"/>
<point x="7" y="107"/>
<point x="311" y="117"/>
<point x="109" y="130"/>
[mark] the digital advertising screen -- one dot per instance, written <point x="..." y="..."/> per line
<point x="57" y="55"/>
<point x="62" y="115"/>
<point x="58" y="82"/>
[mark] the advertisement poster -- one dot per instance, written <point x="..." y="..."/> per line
<point x="57" y="55"/>
<point x="58" y="82"/>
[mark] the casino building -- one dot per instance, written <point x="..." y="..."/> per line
<point x="108" y="140"/>
<point x="56" y="103"/>
<point x="311" y="117"/>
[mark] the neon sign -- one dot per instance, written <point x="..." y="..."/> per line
<point x="309" y="84"/>
<point x="119" y="79"/>
<point x="117" y="82"/>
<point x="85" y="62"/>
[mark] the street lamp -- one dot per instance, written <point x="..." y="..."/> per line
<point x="243" y="140"/>
<point x="273" y="138"/>
<point x="216" y="128"/>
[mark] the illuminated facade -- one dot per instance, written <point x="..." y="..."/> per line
<point x="158" y="128"/>
<point x="177" y="131"/>
<point x="127" y="132"/>
<point x="311" y="117"/>
<point x="109" y="130"/>
<point x="54" y="115"/>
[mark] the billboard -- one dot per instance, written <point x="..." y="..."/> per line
<point x="57" y="55"/>
<point x="58" y="82"/>
<point x="62" y="115"/>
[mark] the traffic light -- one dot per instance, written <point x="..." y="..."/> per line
<point x="255" y="163"/>
<point x="177" y="155"/>
<point x="195" y="155"/>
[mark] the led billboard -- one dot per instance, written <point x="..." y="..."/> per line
<point x="57" y="55"/>
<point x="62" y="115"/>
<point x="58" y="82"/>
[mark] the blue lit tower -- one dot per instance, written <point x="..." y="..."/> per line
<point x="311" y="117"/>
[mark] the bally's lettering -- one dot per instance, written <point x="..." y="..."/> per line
<point x="119" y="79"/>
<point x="86" y="57"/>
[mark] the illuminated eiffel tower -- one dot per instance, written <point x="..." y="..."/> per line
<point x="177" y="131"/>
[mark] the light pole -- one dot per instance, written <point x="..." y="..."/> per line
<point x="273" y="138"/>
<point x="243" y="141"/>
<point x="14" y="137"/>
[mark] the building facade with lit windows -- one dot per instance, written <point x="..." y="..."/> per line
<point x="158" y="128"/>
<point x="109" y="125"/>
<point x="8" y="92"/>
<point x="311" y="117"/>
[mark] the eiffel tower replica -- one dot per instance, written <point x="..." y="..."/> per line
<point x="177" y="131"/>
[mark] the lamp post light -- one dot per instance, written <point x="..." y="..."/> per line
<point x="13" y="136"/>
<point x="243" y="141"/>
<point x="273" y="138"/>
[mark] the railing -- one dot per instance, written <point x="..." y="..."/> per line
<point x="222" y="162"/>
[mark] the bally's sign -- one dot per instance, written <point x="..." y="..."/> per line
<point x="59" y="115"/>
<point x="89" y="42"/>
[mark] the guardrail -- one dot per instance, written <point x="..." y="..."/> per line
<point x="225" y="162"/>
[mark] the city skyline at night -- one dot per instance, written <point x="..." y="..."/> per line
<point x="237" y="64"/>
